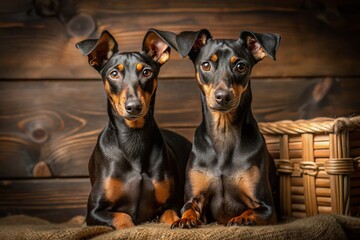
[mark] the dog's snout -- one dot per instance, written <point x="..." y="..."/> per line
<point x="133" y="107"/>
<point x="222" y="96"/>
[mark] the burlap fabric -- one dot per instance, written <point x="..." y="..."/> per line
<point x="26" y="227"/>
<point x="317" y="227"/>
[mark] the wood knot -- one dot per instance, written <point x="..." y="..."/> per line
<point x="41" y="169"/>
<point x="81" y="25"/>
<point x="39" y="135"/>
<point x="6" y="183"/>
<point x="332" y="17"/>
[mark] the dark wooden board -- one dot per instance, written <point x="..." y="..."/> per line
<point x="315" y="41"/>
<point x="49" y="128"/>
<point x="56" y="200"/>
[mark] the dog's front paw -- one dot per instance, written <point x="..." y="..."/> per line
<point x="189" y="219"/>
<point x="122" y="220"/>
<point x="169" y="217"/>
<point x="186" y="223"/>
<point x="247" y="218"/>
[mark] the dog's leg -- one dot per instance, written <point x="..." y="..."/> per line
<point x="260" y="216"/>
<point x="191" y="213"/>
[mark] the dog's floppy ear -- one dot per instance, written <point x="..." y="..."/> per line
<point x="99" y="51"/>
<point x="261" y="44"/>
<point x="157" y="44"/>
<point x="190" y="43"/>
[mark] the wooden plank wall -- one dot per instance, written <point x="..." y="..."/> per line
<point x="52" y="104"/>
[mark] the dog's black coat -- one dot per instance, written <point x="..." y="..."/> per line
<point x="230" y="175"/>
<point x="136" y="169"/>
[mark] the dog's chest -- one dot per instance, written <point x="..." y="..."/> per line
<point x="231" y="191"/>
<point x="143" y="196"/>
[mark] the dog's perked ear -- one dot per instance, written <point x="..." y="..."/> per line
<point x="261" y="44"/>
<point x="157" y="45"/>
<point x="189" y="42"/>
<point x="99" y="51"/>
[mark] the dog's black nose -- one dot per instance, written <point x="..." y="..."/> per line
<point x="133" y="107"/>
<point x="222" y="97"/>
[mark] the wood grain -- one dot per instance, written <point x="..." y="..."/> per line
<point x="34" y="47"/>
<point x="56" y="200"/>
<point x="55" y="124"/>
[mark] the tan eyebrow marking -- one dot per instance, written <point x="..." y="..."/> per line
<point x="162" y="190"/>
<point x="233" y="59"/>
<point x="139" y="66"/>
<point x="214" y="57"/>
<point x="121" y="67"/>
<point x="114" y="189"/>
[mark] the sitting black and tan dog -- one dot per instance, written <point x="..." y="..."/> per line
<point x="137" y="171"/>
<point x="230" y="174"/>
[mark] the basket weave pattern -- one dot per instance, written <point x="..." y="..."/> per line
<point x="318" y="164"/>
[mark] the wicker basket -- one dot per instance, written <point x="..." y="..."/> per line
<point x="318" y="164"/>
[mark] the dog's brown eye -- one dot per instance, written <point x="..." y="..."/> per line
<point x="206" y="66"/>
<point x="240" y="67"/>
<point x="114" y="74"/>
<point x="147" y="73"/>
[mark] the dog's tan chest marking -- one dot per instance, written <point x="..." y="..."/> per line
<point x="200" y="181"/>
<point x="162" y="190"/>
<point x="113" y="189"/>
<point x="247" y="181"/>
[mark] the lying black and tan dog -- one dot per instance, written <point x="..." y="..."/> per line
<point x="137" y="171"/>
<point x="230" y="175"/>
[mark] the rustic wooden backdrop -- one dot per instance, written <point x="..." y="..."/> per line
<point x="52" y="104"/>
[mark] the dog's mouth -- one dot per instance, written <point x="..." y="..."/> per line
<point x="224" y="108"/>
<point x="221" y="109"/>
<point x="133" y="117"/>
